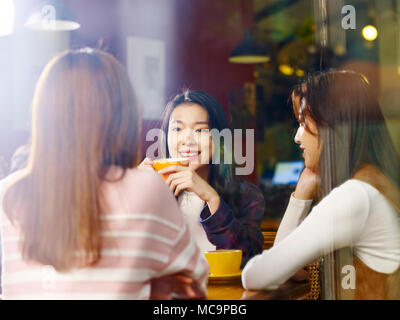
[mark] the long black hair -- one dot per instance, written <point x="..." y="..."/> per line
<point x="351" y="127"/>
<point x="222" y="175"/>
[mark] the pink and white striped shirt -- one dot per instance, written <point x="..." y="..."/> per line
<point x="144" y="236"/>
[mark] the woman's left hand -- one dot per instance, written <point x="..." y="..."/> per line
<point x="185" y="178"/>
<point x="177" y="286"/>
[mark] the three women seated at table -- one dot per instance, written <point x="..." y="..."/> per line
<point x="108" y="230"/>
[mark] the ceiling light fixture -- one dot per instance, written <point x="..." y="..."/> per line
<point x="52" y="15"/>
<point x="249" y="51"/>
<point x="370" y="33"/>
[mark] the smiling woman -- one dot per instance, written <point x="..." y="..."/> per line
<point x="222" y="211"/>
<point x="189" y="135"/>
<point x="7" y="13"/>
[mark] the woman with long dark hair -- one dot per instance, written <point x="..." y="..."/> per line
<point x="223" y="211"/>
<point x="352" y="171"/>
<point x="79" y="221"/>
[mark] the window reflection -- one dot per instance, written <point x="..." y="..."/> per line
<point x="167" y="46"/>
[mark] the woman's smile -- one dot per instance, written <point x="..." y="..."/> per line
<point x="191" y="155"/>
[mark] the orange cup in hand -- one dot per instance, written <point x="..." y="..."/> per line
<point x="163" y="163"/>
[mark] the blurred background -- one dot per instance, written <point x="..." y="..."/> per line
<point x="247" y="53"/>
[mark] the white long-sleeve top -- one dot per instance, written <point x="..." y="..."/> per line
<point x="191" y="206"/>
<point x="354" y="214"/>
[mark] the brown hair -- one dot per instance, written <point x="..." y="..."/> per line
<point x="85" y="119"/>
<point x="351" y="127"/>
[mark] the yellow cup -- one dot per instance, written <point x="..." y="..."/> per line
<point x="163" y="163"/>
<point x="224" y="261"/>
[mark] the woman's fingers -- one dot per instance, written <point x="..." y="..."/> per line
<point x="173" y="285"/>
<point x="180" y="181"/>
<point x="147" y="163"/>
<point x="184" y="279"/>
<point x="185" y="162"/>
<point x="300" y="275"/>
<point x="189" y="292"/>
<point x="171" y="169"/>
<point x="306" y="186"/>
<point x="175" y="176"/>
<point x="176" y="182"/>
<point x="180" y="187"/>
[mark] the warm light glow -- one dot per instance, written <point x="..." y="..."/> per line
<point x="286" y="69"/>
<point x="365" y="78"/>
<point x="53" y="25"/>
<point x="249" y="59"/>
<point x="300" y="73"/>
<point x="370" y="33"/>
<point x="7" y="13"/>
<point x="339" y="50"/>
<point x="398" y="70"/>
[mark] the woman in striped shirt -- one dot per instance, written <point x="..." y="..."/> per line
<point x="79" y="222"/>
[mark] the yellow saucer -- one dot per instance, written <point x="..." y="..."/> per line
<point x="225" y="277"/>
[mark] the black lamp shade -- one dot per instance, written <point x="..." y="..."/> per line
<point x="249" y="51"/>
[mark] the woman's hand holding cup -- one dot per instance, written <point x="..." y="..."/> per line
<point x="185" y="178"/>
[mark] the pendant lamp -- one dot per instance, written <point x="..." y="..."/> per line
<point x="52" y="15"/>
<point x="249" y="51"/>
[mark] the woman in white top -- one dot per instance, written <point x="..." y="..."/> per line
<point x="352" y="171"/>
